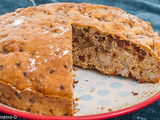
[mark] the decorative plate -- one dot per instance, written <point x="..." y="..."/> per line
<point x="100" y="96"/>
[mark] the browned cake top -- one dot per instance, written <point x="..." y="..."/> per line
<point x="35" y="52"/>
<point x="109" y="20"/>
<point x="36" y="42"/>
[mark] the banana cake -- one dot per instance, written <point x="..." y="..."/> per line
<point x="39" y="45"/>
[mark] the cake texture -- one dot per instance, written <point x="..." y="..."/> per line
<point x="39" y="45"/>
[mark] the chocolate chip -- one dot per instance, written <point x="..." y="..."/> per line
<point x="121" y="43"/>
<point x="70" y="6"/>
<point x="32" y="100"/>
<point x="73" y="30"/>
<point x="133" y="68"/>
<point x="101" y="19"/>
<point x="4" y="51"/>
<point x="18" y="63"/>
<point x="21" y="50"/>
<point x="17" y="94"/>
<point x="65" y="66"/>
<point x="127" y="43"/>
<point x="110" y="38"/>
<point x="29" y="109"/>
<point x="51" y="72"/>
<point x="46" y="12"/>
<point x="86" y="29"/>
<point x="75" y="40"/>
<point x="101" y="39"/>
<point x="82" y="58"/>
<point x="51" y="111"/>
<point x="135" y="47"/>
<point x="143" y="52"/>
<point x="1" y="67"/>
<point x="114" y="55"/>
<point x="51" y="26"/>
<point x="129" y="75"/>
<point x="3" y="94"/>
<point x="140" y="57"/>
<point x="25" y="74"/>
<point x="61" y="87"/>
<point x="97" y="33"/>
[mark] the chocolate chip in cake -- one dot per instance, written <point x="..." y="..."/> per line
<point x="18" y="63"/>
<point x="51" y="111"/>
<point x="97" y="33"/>
<point x="110" y="38"/>
<point x="135" y="47"/>
<point x="70" y="6"/>
<point x="46" y="12"/>
<point x="65" y="66"/>
<point x="61" y="87"/>
<point x="51" y="72"/>
<point x="121" y="43"/>
<point x="86" y="29"/>
<point x="29" y="109"/>
<point x="143" y="52"/>
<point x="3" y="94"/>
<point x="32" y="100"/>
<point x="21" y="50"/>
<point x="75" y="40"/>
<point x="101" y="19"/>
<point x="82" y="58"/>
<point x="17" y="94"/>
<point x="140" y="57"/>
<point x="101" y="39"/>
<point x="1" y="67"/>
<point x="4" y="51"/>
<point x="51" y="26"/>
<point x="25" y="74"/>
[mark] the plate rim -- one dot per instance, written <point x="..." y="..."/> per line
<point x="107" y="115"/>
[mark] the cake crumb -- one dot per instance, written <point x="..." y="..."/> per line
<point x="76" y="104"/>
<point x="109" y="76"/>
<point x="74" y="75"/>
<point x="97" y="107"/>
<point x="86" y="80"/>
<point x="140" y="81"/>
<point x="77" y="99"/>
<point x="110" y="109"/>
<point x="75" y="69"/>
<point x="76" y="110"/>
<point x="116" y="100"/>
<point x="75" y="81"/>
<point x="92" y="90"/>
<point x="134" y="93"/>
<point x="102" y="108"/>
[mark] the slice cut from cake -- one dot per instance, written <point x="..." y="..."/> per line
<point x="36" y="62"/>
<point x="38" y="45"/>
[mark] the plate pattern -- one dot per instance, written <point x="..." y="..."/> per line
<point x="100" y="93"/>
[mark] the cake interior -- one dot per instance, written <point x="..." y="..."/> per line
<point x="106" y="53"/>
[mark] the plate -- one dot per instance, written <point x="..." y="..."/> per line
<point x="100" y="96"/>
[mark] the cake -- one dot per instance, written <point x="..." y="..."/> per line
<point x="40" y="44"/>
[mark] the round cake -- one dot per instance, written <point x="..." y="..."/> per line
<point x="39" y="45"/>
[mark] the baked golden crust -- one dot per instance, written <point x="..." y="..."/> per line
<point x="36" y="51"/>
<point x="36" y="56"/>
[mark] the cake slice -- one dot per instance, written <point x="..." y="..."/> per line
<point x="36" y="62"/>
